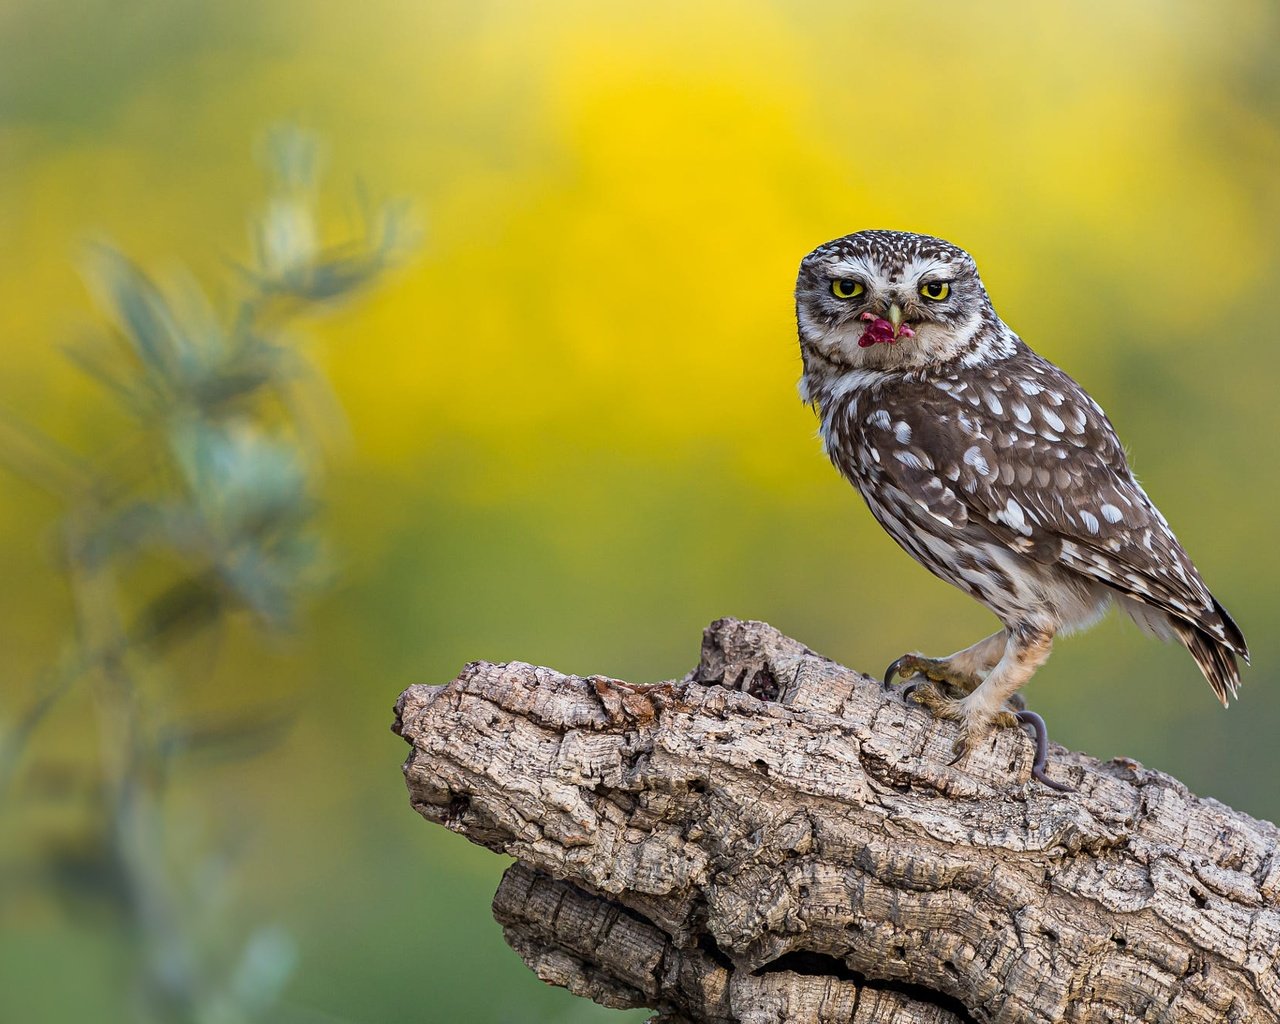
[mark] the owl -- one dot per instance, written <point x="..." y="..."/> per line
<point x="993" y="469"/>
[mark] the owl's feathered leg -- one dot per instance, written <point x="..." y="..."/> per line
<point x="963" y="671"/>
<point x="1028" y="647"/>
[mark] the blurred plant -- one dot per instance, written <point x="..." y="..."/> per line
<point x="201" y="510"/>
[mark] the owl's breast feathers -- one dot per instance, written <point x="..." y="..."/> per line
<point x="1017" y="449"/>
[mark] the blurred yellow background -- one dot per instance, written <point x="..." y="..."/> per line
<point x="573" y="432"/>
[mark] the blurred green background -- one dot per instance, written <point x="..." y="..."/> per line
<point x="572" y="431"/>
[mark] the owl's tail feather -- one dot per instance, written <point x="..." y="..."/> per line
<point x="1216" y="659"/>
<point x="1235" y="638"/>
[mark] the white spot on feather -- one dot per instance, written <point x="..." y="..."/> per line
<point x="993" y="403"/>
<point x="1111" y="514"/>
<point x="1053" y="419"/>
<point x="1014" y="517"/>
<point x="1021" y="411"/>
<point x="879" y="419"/>
<point x="973" y="457"/>
<point x="1089" y="520"/>
<point x="902" y="431"/>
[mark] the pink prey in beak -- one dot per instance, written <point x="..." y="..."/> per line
<point x="884" y="332"/>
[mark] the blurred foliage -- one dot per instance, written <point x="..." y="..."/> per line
<point x="200" y="509"/>
<point x="575" y="431"/>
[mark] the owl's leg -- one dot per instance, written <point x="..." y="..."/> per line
<point x="991" y="704"/>
<point x="959" y="674"/>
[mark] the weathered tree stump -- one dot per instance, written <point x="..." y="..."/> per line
<point x="776" y="838"/>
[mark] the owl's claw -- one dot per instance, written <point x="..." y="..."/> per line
<point x="1030" y="718"/>
<point x="937" y="698"/>
<point x="894" y="669"/>
<point x="973" y="733"/>
<point x="934" y="670"/>
<point x="906" y="692"/>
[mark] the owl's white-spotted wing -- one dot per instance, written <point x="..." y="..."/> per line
<point x="1019" y="448"/>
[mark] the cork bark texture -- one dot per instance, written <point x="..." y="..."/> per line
<point x="776" y="838"/>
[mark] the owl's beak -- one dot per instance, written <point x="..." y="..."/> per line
<point x="895" y="318"/>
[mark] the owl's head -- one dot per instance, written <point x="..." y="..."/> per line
<point x="890" y="300"/>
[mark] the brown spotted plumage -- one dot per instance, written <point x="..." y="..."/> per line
<point x="990" y="466"/>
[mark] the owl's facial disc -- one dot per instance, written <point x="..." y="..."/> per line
<point x="890" y="300"/>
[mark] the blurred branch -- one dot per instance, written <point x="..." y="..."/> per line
<point x="776" y="837"/>
<point x="215" y="489"/>
<point x="52" y="688"/>
<point x="40" y="460"/>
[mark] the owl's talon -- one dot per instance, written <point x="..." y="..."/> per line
<point x="961" y="747"/>
<point x="1005" y="720"/>
<point x="1025" y="717"/>
<point x="901" y="668"/>
<point x="936" y="670"/>
<point x="935" y="698"/>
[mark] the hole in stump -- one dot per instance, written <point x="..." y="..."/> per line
<point x="806" y="961"/>
<point x="707" y="944"/>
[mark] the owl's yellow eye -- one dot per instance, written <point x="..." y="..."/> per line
<point x="935" y="290"/>
<point x="846" y="288"/>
